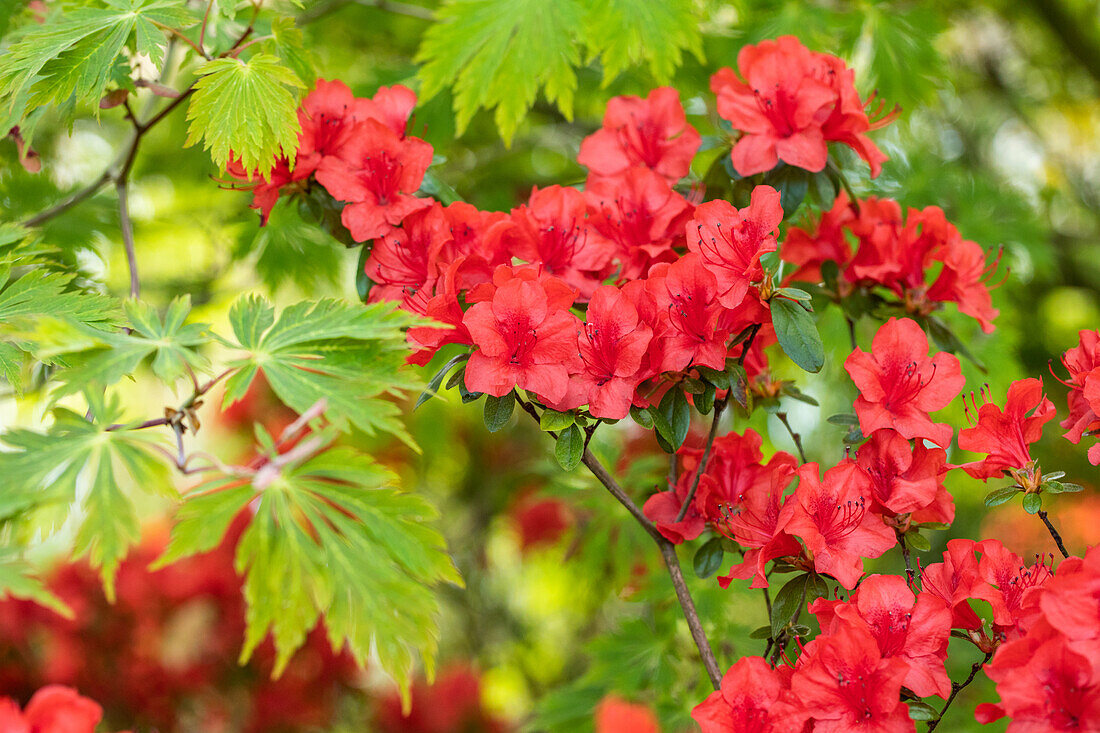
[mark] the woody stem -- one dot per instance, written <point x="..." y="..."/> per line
<point x="905" y="555"/>
<point x="956" y="688"/>
<point x="794" y="436"/>
<point x="668" y="552"/>
<point x="1053" y="533"/>
<point x="718" y="407"/>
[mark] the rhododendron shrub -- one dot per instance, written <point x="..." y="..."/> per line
<point x="685" y="295"/>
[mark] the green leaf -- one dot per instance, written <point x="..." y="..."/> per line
<point x="289" y="45"/>
<point x="920" y="710"/>
<point x="326" y="538"/>
<point x="626" y="33"/>
<point x="763" y="632"/>
<point x="554" y="420"/>
<point x="675" y="410"/>
<point x="1000" y="496"/>
<point x="1054" y="475"/>
<point x="739" y="383"/>
<point x="792" y="184"/>
<point x="1070" y="488"/>
<point x="644" y="418"/>
<point x="48" y="468"/>
<point x="704" y="402"/>
<point x="247" y="110"/>
<point x="35" y="305"/>
<point x="18" y="580"/>
<point x="1032" y="503"/>
<point x="350" y="355"/>
<point x="498" y="410"/>
<point x="171" y="343"/>
<point x="501" y="53"/>
<point x="946" y="339"/>
<point x="433" y="385"/>
<point x="797" y="334"/>
<point x="708" y="558"/>
<point x="434" y="187"/>
<point x="844" y="419"/>
<point x="918" y="541"/>
<point x="72" y="58"/>
<point x="569" y="448"/>
<point x="788" y="601"/>
<point x="790" y="390"/>
<point x="795" y="294"/>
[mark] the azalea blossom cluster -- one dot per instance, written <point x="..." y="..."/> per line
<point x="894" y="254"/>
<point x="885" y="637"/>
<point x="600" y="301"/>
<point x="664" y="282"/>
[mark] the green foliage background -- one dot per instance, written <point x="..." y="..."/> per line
<point x="999" y="127"/>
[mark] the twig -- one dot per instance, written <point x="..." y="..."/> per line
<point x="71" y="201"/>
<point x="1053" y="532"/>
<point x="957" y="687"/>
<point x="718" y="407"/>
<point x="794" y="436"/>
<point x="593" y="464"/>
<point x="128" y="238"/>
<point x="668" y="551"/>
<point x="852" y="332"/>
<point x="205" y="20"/>
<point x="180" y="35"/>
<point x="905" y="555"/>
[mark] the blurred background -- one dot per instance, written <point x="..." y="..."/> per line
<point x="566" y="600"/>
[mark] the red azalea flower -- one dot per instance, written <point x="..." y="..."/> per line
<point x="638" y="216"/>
<point x="731" y="241"/>
<point x="904" y="478"/>
<point x="899" y="385"/>
<point x="391" y="106"/>
<point x="744" y="703"/>
<point x="1083" y="363"/>
<point x="615" y="715"/>
<point x="1045" y="685"/>
<point x="475" y="234"/>
<point x="792" y="103"/>
<point x="686" y="294"/>
<point x="1070" y="600"/>
<point x="831" y="517"/>
<point x="956" y="580"/>
<point x="265" y="193"/>
<point x="327" y="116"/>
<point x="539" y="522"/>
<point x="743" y="498"/>
<point x="1009" y="580"/>
<point x="442" y="306"/>
<point x="551" y="230"/>
<point x="404" y="260"/>
<point x="613" y="344"/>
<point x="1005" y="436"/>
<point x="525" y="339"/>
<point x="914" y="629"/>
<point x="663" y="507"/>
<point x="53" y="709"/>
<point x="809" y="249"/>
<point x="377" y="172"/>
<point x="843" y="683"/>
<point x="652" y="132"/>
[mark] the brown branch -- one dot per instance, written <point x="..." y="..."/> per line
<point x="127" y="228"/>
<point x="205" y="20"/>
<point x="905" y="556"/>
<point x="668" y="551"/>
<point x="1053" y="532"/>
<point x="956" y="688"/>
<point x="718" y="407"/>
<point x="794" y="436"/>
